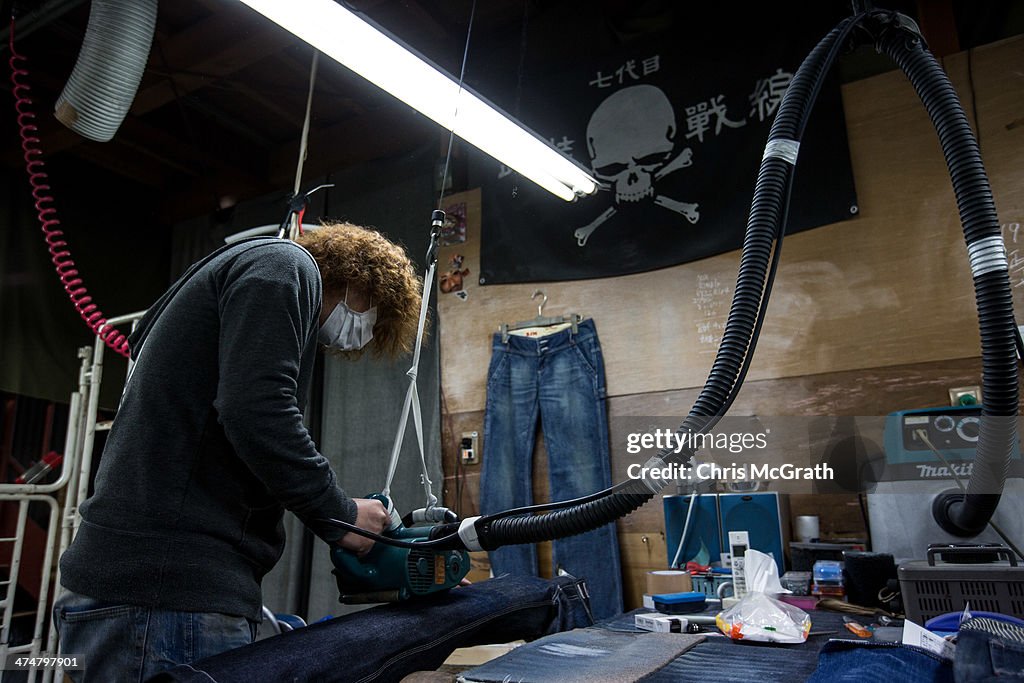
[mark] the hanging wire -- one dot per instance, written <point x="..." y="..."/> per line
<point x="462" y="75"/>
<point x="304" y="143"/>
<point x="519" y="79"/>
<point x="295" y="226"/>
<point x="412" y="400"/>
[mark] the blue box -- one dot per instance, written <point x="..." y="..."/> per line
<point x="828" y="572"/>
<point x="680" y="603"/>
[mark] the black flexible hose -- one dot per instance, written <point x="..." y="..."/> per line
<point x="960" y="514"/>
<point x="964" y="515"/>
<point x="763" y="227"/>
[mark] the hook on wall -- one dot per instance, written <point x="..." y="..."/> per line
<point x="540" y="306"/>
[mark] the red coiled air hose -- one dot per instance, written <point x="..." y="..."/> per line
<point x="48" y="221"/>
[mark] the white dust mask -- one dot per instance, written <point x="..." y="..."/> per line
<point x="347" y="330"/>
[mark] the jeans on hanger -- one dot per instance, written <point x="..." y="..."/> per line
<point x="556" y="380"/>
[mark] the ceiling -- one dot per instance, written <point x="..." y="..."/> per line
<point x="219" y="113"/>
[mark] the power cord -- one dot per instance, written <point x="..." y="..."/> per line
<point x="443" y="541"/>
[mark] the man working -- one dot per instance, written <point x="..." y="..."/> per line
<point x="209" y="447"/>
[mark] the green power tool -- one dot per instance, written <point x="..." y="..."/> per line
<point x="390" y="574"/>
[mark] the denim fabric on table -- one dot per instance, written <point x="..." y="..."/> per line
<point x="131" y="643"/>
<point x="849" y="661"/>
<point x="559" y="380"/>
<point x="989" y="651"/>
<point x="388" y="642"/>
<point x="738" y="662"/>
<point x="585" y="655"/>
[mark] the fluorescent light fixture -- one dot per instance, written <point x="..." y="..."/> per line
<point x="337" y="32"/>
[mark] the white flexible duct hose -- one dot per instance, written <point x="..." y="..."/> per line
<point x="106" y="76"/>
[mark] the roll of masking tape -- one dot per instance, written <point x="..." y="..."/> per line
<point x="668" y="581"/>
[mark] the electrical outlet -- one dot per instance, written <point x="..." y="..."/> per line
<point x="965" y="396"/>
<point x="469" y="452"/>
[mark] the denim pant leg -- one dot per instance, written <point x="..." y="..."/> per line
<point x="575" y="426"/>
<point x="989" y="651"/>
<point x="510" y="424"/>
<point x="844" y="661"/>
<point x="119" y="642"/>
<point x="388" y="642"/>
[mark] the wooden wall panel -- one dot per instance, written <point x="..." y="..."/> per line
<point x="887" y="288"/>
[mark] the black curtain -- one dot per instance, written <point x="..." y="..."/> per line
<point x="121" y="252"/>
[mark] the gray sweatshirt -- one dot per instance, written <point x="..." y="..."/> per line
<point x="209" y="445"/>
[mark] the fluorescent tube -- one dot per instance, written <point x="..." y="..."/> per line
<point x="338" y="33"/>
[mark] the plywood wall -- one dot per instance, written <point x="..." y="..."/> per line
<point x="882" y="301"/>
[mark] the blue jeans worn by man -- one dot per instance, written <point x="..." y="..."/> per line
<point x="141" y="639"/>
<point x="558" y="379"/>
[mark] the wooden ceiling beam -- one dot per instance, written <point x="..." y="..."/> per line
<point x="271" y="105"/>
<point x="238" y="158"/>
<point x="135" y="167"/>
<point x="327" y="81"/>
<point x="426" y="21"/>
<point x="235" y="48"/>
<point x="203" y="198"/>
<point x="245" y="165"/>
<point x="381" y="133"/>
<point x="137" y="141"/>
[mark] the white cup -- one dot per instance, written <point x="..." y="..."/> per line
<point x="806" y="528"/>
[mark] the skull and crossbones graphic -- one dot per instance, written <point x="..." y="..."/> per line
<point x="630" y="139"/>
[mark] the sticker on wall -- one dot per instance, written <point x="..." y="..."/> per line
<point x="454" y="229"/>
<point x="452" y="280"/>
<point x="1014" y="239"/>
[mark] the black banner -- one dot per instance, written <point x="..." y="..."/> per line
<point x="678" y="143"/>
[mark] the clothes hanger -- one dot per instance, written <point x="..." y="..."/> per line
<point x="541" y="320"/>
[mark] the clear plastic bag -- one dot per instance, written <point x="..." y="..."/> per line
<point x="758" y="616"/>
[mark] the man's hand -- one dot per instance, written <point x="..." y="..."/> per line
<point x="371" y="516"/>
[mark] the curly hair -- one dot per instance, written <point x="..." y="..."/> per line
<point x="352" y="254"/>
